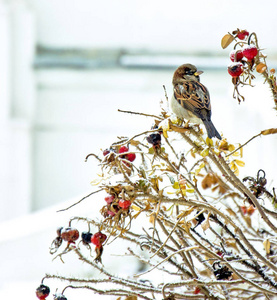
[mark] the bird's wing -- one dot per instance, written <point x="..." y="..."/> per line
<point x="193" y="96"/>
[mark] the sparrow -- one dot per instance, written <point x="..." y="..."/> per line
<point x="191" y="99"/>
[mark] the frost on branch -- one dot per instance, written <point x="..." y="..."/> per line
<point x="185" y="215"/>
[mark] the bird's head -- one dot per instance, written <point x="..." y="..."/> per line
<point x="186" y="72"/>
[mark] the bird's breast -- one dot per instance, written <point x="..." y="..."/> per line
<point x="183" y="113"/>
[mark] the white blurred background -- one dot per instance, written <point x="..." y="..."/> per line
<point x="67" y="66"/>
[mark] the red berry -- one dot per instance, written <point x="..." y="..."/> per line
<point x="109" y="199"/>
<point x="235" y="69"/>
<point x="123" y="149"/>
<point x="106" y="152"/>
<point x="42" y="291"/>
<point x="250" y="52"/>
<point x="98" y="239"/>
<point x="69" y="234"/>
<point x="124" y="203"/>
<point x="131" y="156"/>
<point x="196" y="290"/>
<point x="242" y="34"/>
<point x="236" y="55"/>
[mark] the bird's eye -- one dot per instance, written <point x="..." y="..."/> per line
<point x="189" y="72"/>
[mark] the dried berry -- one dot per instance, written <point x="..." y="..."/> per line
<point x="123" y="149"/>
<point x="86" y="237"/>
<point x="219" y="253"/>
<point x="221" y="273"/>
<point x="131" y="156"/>
<point x="69" y="234"/>
<point x="42" y="291"/>
<point x="125" y="204"/>
<point x="98" y="239"/>
<point x="242" y="34"/>
<point x="106" y="152"/>
<point x="109" y="199"/>
<point x="154" y="139"/>
<point x="250" y="52"/>
<point x="110" y="213"/>
<point x="236" y="55"/>
<point x="59" y="297"/>
<point x="196" y="290"/>
<point x="235" y="69"/>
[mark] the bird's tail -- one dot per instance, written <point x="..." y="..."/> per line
<point x="211" y="130"/>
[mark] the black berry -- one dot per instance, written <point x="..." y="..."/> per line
<point x="86" y="237"/>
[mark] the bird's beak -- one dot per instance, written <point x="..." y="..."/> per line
<point x="197" y="73"/>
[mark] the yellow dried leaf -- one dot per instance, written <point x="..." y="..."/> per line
<point x="266" y="244"/>
<point x="269" y="131"/>
<point x="261" y="68"/>
<point x="187" y="226"/>
<point x="209" y="142"/>
<point x="151" y="219"/>
<point x="190" y="190"/>
<point x="165" y="133"/>
<point x="176" y="185"/>
<point x="206" y="224"/>
<point x="151" y="150"/>
<point x="235" y="276"/>
<point x="205" y="152"/>
<point x="248" y="220"/>
<point x="197" y="171"/>
<point x="231" y="212"/>
<point x="231" y="147"/>
<point x="223" y="145"/>
<point x="239" y="162"/>
<point x="232" y="244"/>
<point x="164" y="125"/>
<point x="95" y="181"/>
<point x="136" y="208"/>
<point x="134" y="143"/>
<point x="226" y="40"/>
<point x="234" y="168"/>
<point x="175" y="120"/>
<point x="131" y="298"/>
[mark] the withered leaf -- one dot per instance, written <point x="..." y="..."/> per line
<point x="266" y="244"/>
<point x="226" y="40"/>
<point x="269" y="131"/>
<point x="261" y="68"/>
<point x="239" y="162"/>
<point x="205" y="225"/>
<point x="131" y="298"/>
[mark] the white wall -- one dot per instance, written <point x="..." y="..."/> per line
<point x="16" y="108"/>
<point x="161" y="25"/>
